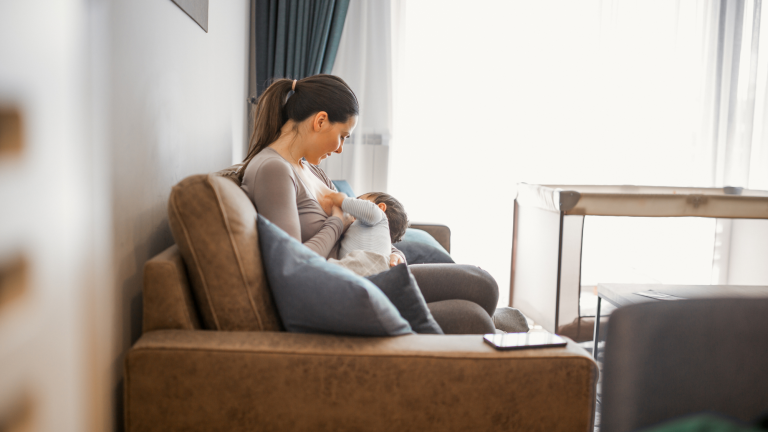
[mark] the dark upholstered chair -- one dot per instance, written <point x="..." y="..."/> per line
<point x="669" y="359"/>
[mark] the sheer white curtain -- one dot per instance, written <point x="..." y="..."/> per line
<point x="494" y="92"/>
<point x="737" y="139"/>
<point x="364" y="61"/>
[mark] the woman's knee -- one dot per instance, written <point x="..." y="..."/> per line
<point x="485" y="286"/>
<point x="440" y="282"/>
<point x="461" y="317"/>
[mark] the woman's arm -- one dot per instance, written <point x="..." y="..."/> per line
<point x="274" y="194"/>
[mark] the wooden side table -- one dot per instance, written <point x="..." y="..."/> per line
<point x="545" y="283"/>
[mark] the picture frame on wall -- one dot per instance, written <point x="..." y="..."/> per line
<point x="196" y="9"/>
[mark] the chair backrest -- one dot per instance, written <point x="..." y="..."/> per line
<point x="669" y="359"/>
<point x="214" y="225"/>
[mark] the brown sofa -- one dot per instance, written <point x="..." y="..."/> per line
<point x="212" y="356"/>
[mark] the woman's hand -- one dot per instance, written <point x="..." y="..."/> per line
<point x="330" y="200"/>
<point x="348" y="219"/>
<point x="395" y="259"/>
<point x="338" y="212"/>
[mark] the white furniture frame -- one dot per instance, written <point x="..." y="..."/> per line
<point x="545" y="283"/>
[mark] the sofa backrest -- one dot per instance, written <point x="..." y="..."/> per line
<point x="214" y="225"/>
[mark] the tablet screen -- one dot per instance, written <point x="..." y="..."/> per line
<point x="536" y="339"/>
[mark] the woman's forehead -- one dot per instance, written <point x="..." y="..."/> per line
<point x="351" y="123"/>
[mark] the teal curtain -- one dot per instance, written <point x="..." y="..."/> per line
<point x="296" y="38"/>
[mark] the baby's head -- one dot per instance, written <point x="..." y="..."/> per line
<point x="396" y="216"/>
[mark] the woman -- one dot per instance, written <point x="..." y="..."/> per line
<point x="292" y="134"/>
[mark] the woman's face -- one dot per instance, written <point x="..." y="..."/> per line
<point x="328" y="137"/>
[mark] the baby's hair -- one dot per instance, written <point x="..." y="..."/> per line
<point x="396" y="215"/>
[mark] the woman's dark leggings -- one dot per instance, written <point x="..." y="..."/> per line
<point x="462" y="298"/>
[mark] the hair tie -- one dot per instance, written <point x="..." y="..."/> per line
<point x="293" y="87"/>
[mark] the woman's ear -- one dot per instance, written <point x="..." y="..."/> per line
<point x="320" y="120"/>
<point x="382" y="206"/>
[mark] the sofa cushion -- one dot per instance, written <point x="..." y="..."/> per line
<point x="399" y="285"/>
<point x="213" y="223"/>
<point x="420" y="253"/>
<point x="421" y="248"/>
<point x="315" y="296"/>
<point x="344" y="187"/>
<point x="414" y="235"/>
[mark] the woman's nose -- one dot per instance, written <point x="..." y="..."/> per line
<point x="340" y="149"/>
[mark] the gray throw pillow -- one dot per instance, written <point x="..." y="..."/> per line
<point x="420" y="253"/>
<point x="419" y="247"/>
<point x="401" y="288"/>
<point x="415" y="235"/>
<point x="315" y="296"/>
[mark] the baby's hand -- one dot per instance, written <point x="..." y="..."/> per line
<point x="395" y="259"/>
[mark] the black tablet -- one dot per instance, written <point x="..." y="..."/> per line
<point x="534" y="339"/>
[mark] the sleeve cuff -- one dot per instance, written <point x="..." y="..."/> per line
<point x="336" y="222"/>
<point x="346" y="204"/>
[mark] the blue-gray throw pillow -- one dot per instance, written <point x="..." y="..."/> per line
<point x="401" y="288"/>
<point x="420" y="253"/>
<point x="315" y="296"/>
<point x="416" y="235"/>
<point x="419" y="247"/>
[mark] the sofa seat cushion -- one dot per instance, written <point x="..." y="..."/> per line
<point x="315" y="296"/>
<point x="214" y="225"/>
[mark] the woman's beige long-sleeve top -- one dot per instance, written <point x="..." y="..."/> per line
<point x="280" y="195"/>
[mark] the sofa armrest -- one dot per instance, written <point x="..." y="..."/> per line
<point x="238" y="381"/>
<point x="441" y="233"/>
<point x="168" y="302"/>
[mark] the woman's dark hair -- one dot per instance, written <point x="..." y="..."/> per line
<point x="396" y="215"/>
<point x="311" y="95"/>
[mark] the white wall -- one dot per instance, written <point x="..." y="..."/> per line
<point x="177" y="107"/>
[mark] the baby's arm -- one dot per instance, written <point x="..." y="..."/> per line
<point x="365" y="211"/>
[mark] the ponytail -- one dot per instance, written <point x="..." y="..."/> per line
<point x="311" y="95"/>
<point x="268" y="117"/>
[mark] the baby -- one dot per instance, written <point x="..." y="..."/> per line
<point x="380" y="220"/>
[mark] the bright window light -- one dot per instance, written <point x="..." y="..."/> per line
<point x="495" y="92"/>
